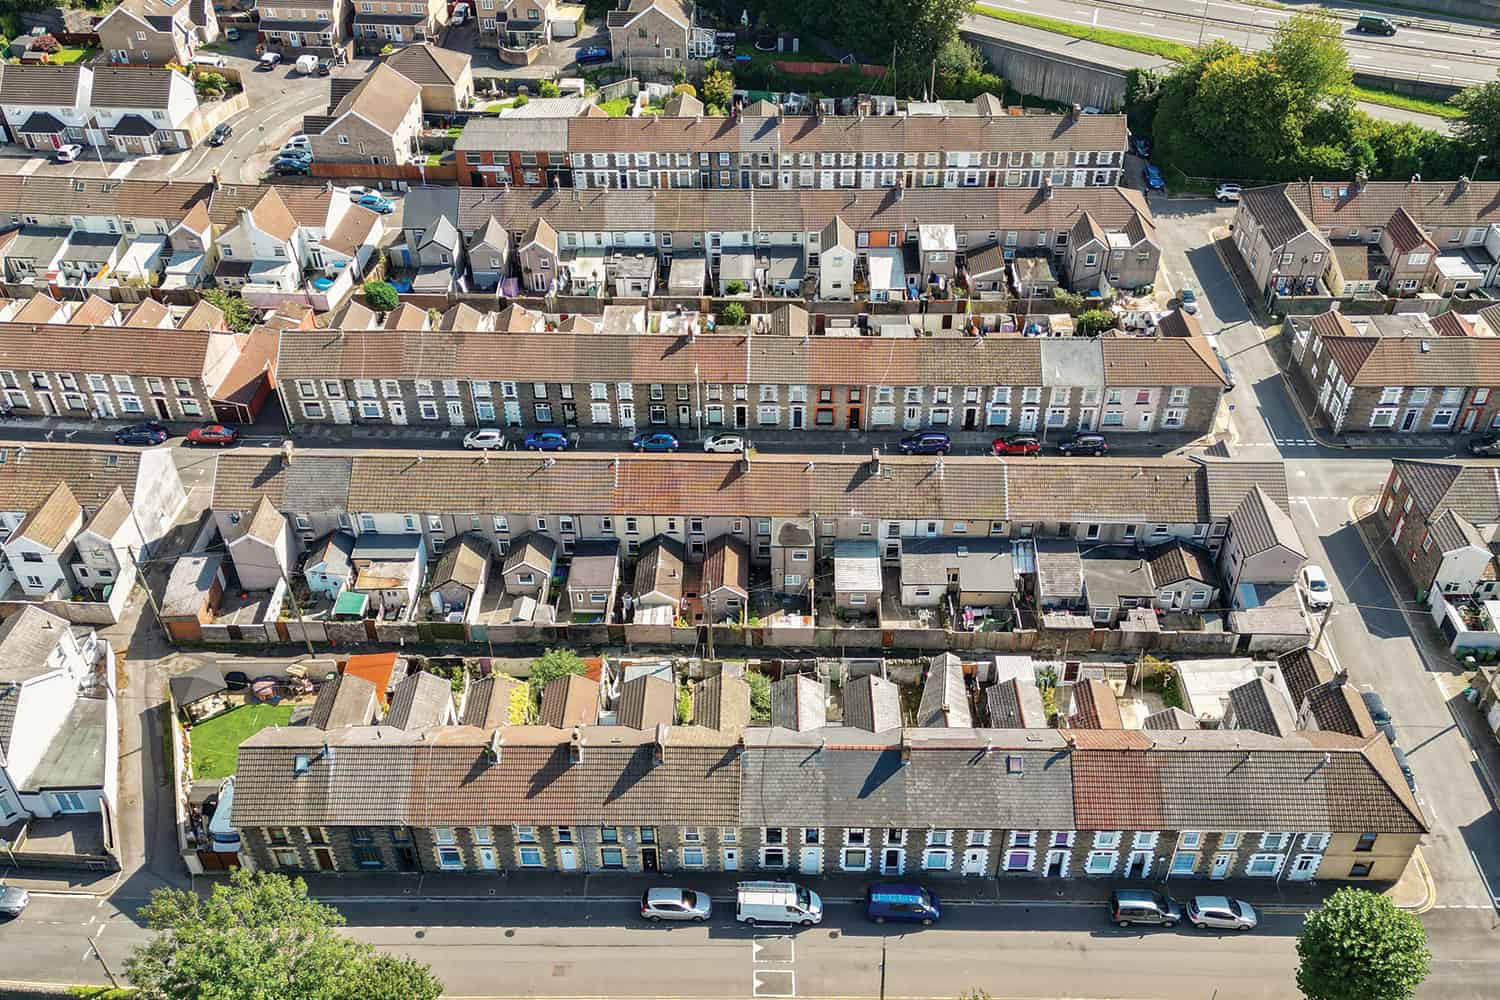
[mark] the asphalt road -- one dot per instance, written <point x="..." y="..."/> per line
<point x="1412" y="53"/>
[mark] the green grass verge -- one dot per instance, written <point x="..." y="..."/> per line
<point x="1175" y="51"/>
<point x="65" y="56"/>
<point x="1391" y="99"/>
<point x="216" y="741"/>
<point x="618" y="108"/>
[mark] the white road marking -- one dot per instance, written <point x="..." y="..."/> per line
<point x="772" y="983"/>
<point x="1310" y="512"/>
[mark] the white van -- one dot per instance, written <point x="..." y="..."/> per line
<point x="209" y="59"/>
<point x="307" y="65"/>
<point x="777" y="903"/>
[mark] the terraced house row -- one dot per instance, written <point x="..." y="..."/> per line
<point x="762" y="148"/>
<point x="739" y="379"/>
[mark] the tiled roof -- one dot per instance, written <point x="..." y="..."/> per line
<point x="266" y="522"/>
<point x="465" y="560"/>
<point x="489" y="701"/>
<point x="383" y="98"/>
<point x="429" y="65"/>
<point x="1337" y="707"/>
<point x="722" y="702"/>
<point x="1136" y="361"/>
<point x="646" y="702"/>
<point x="352" y="231"/>
<point x="307" y="204"/>
<point x="1094" y="706"/>
<point x="1280" y="219"/>
<point x="798" y="703"/>
<point x="420" y="700"/>
<point x="1332" y="324"/>
<point x="347" y="700"/>
<point x="1233" y="780"/>
<point x="538" y="552"/>
<point x="164" y="353"/>
<point x="1179" y="323"/>
<point x="30" y="471"/>
<point x="47" y="525"/>
<point x="1451" y="531"/>
<point x="659" y="568"/>
<point x="203" y="316"/>
<point x="42" y="85"/>
<point x="1338" y="204"/>
<point x="945" y="695"/>
<point x="1227" y="483"/>
<point x="1174" y="719"/>
<point x="131" y="87"/>
<point x="1258" y="705"/>
<point x="111" y="516"/>
<point x="1404" y="233"/>
<point x="149" y="315"/>
<point x="170" y="201"/>
<point x="570" y="701"/>
<point x="384" y="670"/>
<point x="726" y="565"/>
<point x="1471" y="489"/>
<point x="1176" y="562"/>
<point x="872" y="703"/>
<point x="1302" y="670"/>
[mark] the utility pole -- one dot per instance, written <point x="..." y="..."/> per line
<point x="140" y="574"/>
<point x="297" y="607"/>
<point x="1322" y="624"/>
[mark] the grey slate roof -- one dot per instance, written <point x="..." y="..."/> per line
<point x="1015" y="704"/>
<point x="333" y="552"/>
<point x="1171" y="719"/>
<point x="420" y="700"/>
<point x="346" y="700"/>
<point x="1112" y="573"/>
<point x="595" y="563"/>
<point x="376" y="546"/>
<point x="513" y="133"/>
<point x="1072" y="361"/>
<point x="983" y="564"/>
<point x="1337" y="707"/>
<point x="195" y="684"/>
<point x="188" y="586"/>
<point x="1259" y="706"/>
<point x="131" y="87"/>
<point x="1302" y="670"/>
<point x="27" y="638"/>
<point x="722" y="702"/>
<point x="488" y="702"/>
<point x="1259" y="525"/>
<point x="798" y="703"/>
<point x="423" y="206"/>
<point x="1059" y="569"/>
<point x="945" y="696"/>
<point x="40" y="85"/>
<point x="872" y="703"/>
<point x="646" y="702"/>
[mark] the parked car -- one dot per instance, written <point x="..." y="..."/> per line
<point x="1315" y="586"/>
<point x="1224" y="367"/>
<point x="655" y="441"/>
<point x="1485" y="446"/>
<point x="1379" y="714"/>
<point x="725" y="442"/>
<point x="776" y="903"/>
<point x="1405" y="766"/>
<point x="1189" y="300"/>
<point x="1221" y="913"/>
<point x="298" y="141"/>
<point x="1140" y="145"/>
<point x="925" y="443"/>
<point x="376" y="203"/>
<point x="147" y="433"/>
<point x="220" y="134"/>
<point x="547" y="441"/>
<point x="215" y="434"/>
<point x="268" y="61"/>
<point x="676" y="904"/>
<point x="1154" y="179"/>
<point x="1017" y="444"/>
<point x="592" y="54"/>
<point x="1374" y="24"/>
<point x="484" y="439"/>
<point x="1143" y="906"/>
<point x="13" y="900"/>
<point x="67" y="153"/>
<point x="902" y="902"/>
<point x="232" y="33"/>
<point x="283" y="168"/>
<point x="307" y="64"/>
<point x="325" y="67"/>
<point x="358" y="191"/>
<point x="1227" y="192"/>
<point x="460" y="14"/>
<point x="294" y="153"/>
<point x="1084" y="444"/>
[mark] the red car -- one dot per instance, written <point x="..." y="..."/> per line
<point x="1017" y="444"/>
<point x="216" y="434"/>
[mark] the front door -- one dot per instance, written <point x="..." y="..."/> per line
<point x="648" y="859"/>
<point x="161" y="407"/>
<point x="1221" y="866"/>
<point x="1140" y="864"/>
<point x="1086" y="420"/>
<point x="1146" y="420"/>
<point x="1469" y="419"/>
<point x="853" y="422"/>
<point x="812" y="860"/>
<point x="1028" y="421"/>
<point x="741" y="416"/>
<point x="455" y="412"/>
<point x="1057" y="864"/>
<point x="912" y="418"/>
<point x="487" y="859"/>
<point x="797" y="418"/>
<point x="406" y="859"/>
<point x="398" y="412"/>
<point x="1410" y="420"/>
<point x="1303" y="868"/>
<point x="48" y="406"/>
<point x="627" y="416"/>
<point x="975" y="859"/>
<point x="324" y="859"/>
<point x="567" y="858"/>
<point x="731" y="859"/>
<point x="971" y="418"/>
<point x="890" y="861"/>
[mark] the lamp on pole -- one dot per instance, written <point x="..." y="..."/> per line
<point x="1477" y="161"/>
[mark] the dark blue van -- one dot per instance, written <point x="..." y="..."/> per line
<point x="900" y="901"/>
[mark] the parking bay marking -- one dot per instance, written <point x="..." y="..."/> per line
<point x="773" y="983"/>
<point x="773" y="949"/>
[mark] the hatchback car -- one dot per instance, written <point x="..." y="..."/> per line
<point x="67" y="153"/>
<point x="1084" y="444"/>
<point x="294" y="153"/>
<point x="13" y="900"/>
<point x="547" y="441"/>
<point x="376" y="203"/>
<point x="1315" y="587"/>
<point x="220" y="134"/>
<point x="268" y="60"/>
<point x="724" y="442"/>
<point x="1227" y="192"/>
<point x="1017" y="444"/>
<point x="925" y="443"/>
<point x="1140" y="145"/>
<point x="655" y="441"/>
<point x="215" y="434"/>
<point x="592" y="54"/>
<point x="484" y="439"/>
<point x="285" y="168"/>
<point x="1143" y="906"/>
<point x="325" y="67"/>
<point x="232" y="33"/>
<point x="1221" y="913"/>
<point x="149" y="433"/>
<point x="1154" y="179"/>
<point x="902" y="902"/>
<point x="1405" y="766"/>
<point x="1189" y="300"/>
<point x="1485" y="446"/>
<point x="1379" y="714"/>
<point x="676" y="904"/>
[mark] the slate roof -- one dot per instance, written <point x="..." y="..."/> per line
<point x="856" y="566"/>
<point x="382" y="98"/>
<point x="1176" y="562"/>
<point x="429" y="65"/>
<point x="726" y="566"/>
<point x="570" y="701"/>
<point x="347" y="700"/>
<point x="487" y="704"/>
<point x="659" y="568"/>
<point x="31" y="471"/>
<point x="596" y="563"/>
<point x="1014" y="704"/>
<point x="25" y="84"/>
<point x="722" y="702"/>
<point x="1258" y="525"/>
<point x="798" y="703"/>
<point x="27" y="638"/>
<point x="1225" y="484"/>
<point x="1174" y="719"/>
<point x="646" y="702"/>
<point x="47" y="525"/>
<point x="465" y="560"/>
<point x="111" y="516"/>
<point x="1260" y="706"/>
<point x="872" y="703"/>
<point x="536" y="551"/>
<point x="1280" y="219"/>
<point x="131" y="87"/>
<point x="420" y="700"/>
<point x="134" y="350"/>
<point x="333" y="551"/>
<point x="1337" y="707"/>
<point x="945" y="696"/>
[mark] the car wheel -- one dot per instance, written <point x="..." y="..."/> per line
<point x="699" y="919"/>
<point x="1169" y="923"/>
<point x="943" y="451"/>
<point x="1243" y="927"/>
<point x="880" y="920"/>
<point x="654" y="919"/>
<point x="807" y="923"/>
<point x="1124" y="923"/>
<point x="926" y="921"/>
<point x="749" y="921"/>
<point x="533" y="447"/>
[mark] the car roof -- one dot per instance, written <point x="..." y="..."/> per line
<point x="1212" y="902"/>
<point x="666" y="894"/>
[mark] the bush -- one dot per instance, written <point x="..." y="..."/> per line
<point x="236" y="312"/>
<point x="1070" y="301"/>
<point x="210" y="84"/>
<point x="551" y="665"/>
<point x="760" y="696"/>
<point x="685" y="88"/>
<point x="734" y="287"/>
<point x="381" y="296"/>
<point x="718" y="87"/>
<point x="734" y="314"/>
<point x="1094" y="322"/>
<point x="521" y="101"/>
<point x="684" y="705"/>
<point x="549" y="89"/>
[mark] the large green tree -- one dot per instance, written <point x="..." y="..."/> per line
<point x="1308" y="53"/>
<point x="1479" y="126"/>
<point x="551" y="665"/>
<point x="913" y="32"/>
<point x="260" y="937"/>
<point x="1359" y="946"/>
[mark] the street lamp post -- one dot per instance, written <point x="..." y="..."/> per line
<point x="1477" y="161"/>
<point x="1202" y="20"/>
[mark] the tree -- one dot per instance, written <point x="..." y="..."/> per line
<point x="734" y="313"/>
<point x="381" y="296"/>
<point x="685" y="88"/>
<point x="236" y="312"/>
<point x="260" y="937"/>
<point x="1357" y="945"/>
<point x="551" y="665"/>
<point x="1479" y="126"/>
<point x="1094" y="322"/>
<point x="548" y="89"/>
<point x="718" y="87"/>
<point x="211" y="85"/>
<point x="1308" y="51"/>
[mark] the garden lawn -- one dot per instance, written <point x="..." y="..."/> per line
<point x="65" y="56"/>
<point x="216" y="741"/>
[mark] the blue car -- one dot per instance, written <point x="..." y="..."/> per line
<point x="547" y="441"/>
<point x="656" y="441"/>
<point x="1154" y="179"/>
<point x="592" y="54"/>
<point x="903" y="902"/>
<point x="376" y="203"/>
<point x="149" y="433"/>
<point x="925" y="443"/>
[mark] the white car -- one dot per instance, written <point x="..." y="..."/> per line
<point x="1315" y="586"/>
<point x="460" y="14"/>
<point x="1227" y="192"/>
<point x="67" y="153"/>
<point x="1221" y="913"/>
<point x="270" y="60"/>
<point x="299" y="141"/>
<point x="729" y="443"/>
<point x="484" y="439"/>
<point x="357" y="192"/>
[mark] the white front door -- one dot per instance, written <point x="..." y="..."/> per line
<point x="1057" y="864"/>
<point x="812" y="860"/>
<point x="487" y="859"/>
<point x="1221" y="866"/>
<point x="975" y="860"/>
<point x="913" y="418"/>
<point x="1146" y="420"/>
<point x="1303" y="868"/>
<point x="455" y="412"/>
<point x="398" y="412"/>
<point x="731" y="859"/>
<point x="567" y="858"/>
<point x="627" y="415"/>
<point x="1028" y="420"/>
<point x="1086" y="420"/>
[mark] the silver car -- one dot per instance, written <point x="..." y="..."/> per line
<point x="1221" y="913"/>
<point x="676" y="904"/>
<point x="722" y="442"/>
<point x="13" y="900"/>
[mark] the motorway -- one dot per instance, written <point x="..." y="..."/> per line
<point x="1466" y="54"/>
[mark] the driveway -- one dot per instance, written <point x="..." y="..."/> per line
<point x="558" y="60"/>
